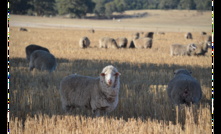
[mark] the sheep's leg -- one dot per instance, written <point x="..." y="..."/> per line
<point x="96" y="113"/>
<point x="31" y="66"/>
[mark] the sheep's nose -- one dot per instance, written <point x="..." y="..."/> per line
<point x="109" y="82"/>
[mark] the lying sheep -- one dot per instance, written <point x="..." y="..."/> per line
<point x="107" y="42"/>
<point x="91" y="31"/>
<point x="183" y="88"/>
<point x="42" y="60"/>
<point x="122" y="42"/>
<point x="149" y="34"/>
<point x="99" y="94"/>
<point x="31" y="48"/>
<point x="23" y="29"/>
<point x="84" y="42"/>
<point x="178" y="49"/>
<point x="188" y="35"/>
<point x="143" y="42"/>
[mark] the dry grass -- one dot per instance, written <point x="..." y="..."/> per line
<point x="143" y="107"/>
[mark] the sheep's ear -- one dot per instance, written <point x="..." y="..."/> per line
<point x="117" y="73"/>
<point x="102" y="74"/>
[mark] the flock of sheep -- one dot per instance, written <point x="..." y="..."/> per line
<point x="100" y="94"/>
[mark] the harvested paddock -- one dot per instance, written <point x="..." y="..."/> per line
<point x="143" y="106"/>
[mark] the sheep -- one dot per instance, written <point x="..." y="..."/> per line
<point x="122" y="42"/>
<point x="188" y="35"/>
<point x="183" y="88"/>
<point x="107" y="42"/>
<point x="31" y="48"/>
<point x="203" y="33"/>
<point x="135" y="35"/>
<point x="143" y="42"/>
<point x="23" y="29"/>
<point x="84" y="42"/>
<point x="91" y="31"/>
<point x="149" y="34"/>
<point x="202" y="48"/>
<point x="178" y="49"/>
<point x="98" y="94"/>
<point x="42" y="60"/>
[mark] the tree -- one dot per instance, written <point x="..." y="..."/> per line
<point x="99" y="9"/>
<point x="110" y="7"/>
<point x="19" y="6"/>
<point x="76" y="8"/>
<point x="187" y="4"/>
<point x="168" y="4"/>
<point x="42" y="7"/>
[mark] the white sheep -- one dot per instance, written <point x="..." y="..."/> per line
<point x="94" y="93"/>
<point x="42" y="60"/>
<point x="144" y="42"/>
<point x="107" y="42"/>
<point x="178" y="49"/>
<point x="183" y="88"/>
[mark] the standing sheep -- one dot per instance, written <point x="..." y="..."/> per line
<point x="42" y="60"/>
<point x="23" y="29"/>
<point x="143" y="42"/>
<point x="188" y="35"/>
<point x="178" y="49"/>
<point x="122" y="42"/>
<point x="94" y="93"/>
<point x="149" y="34"/>
<point x="31" y="48"/>
<point x="84" y="42"/>
<point x="107" y="42"/>
<point x="183" y="88"/>
<point x="202" y="48"/>
<point x="135" y="35"/>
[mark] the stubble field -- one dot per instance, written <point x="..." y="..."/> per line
<point x="143" y="106"/>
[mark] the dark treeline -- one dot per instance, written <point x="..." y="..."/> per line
<point x="101" y="8"/>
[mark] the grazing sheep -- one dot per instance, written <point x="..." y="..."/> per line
<point x="91" y="31"/>
<point x="84" y="42"/>
<point x="99" y="94"/>
<point x="23" y="29"/>
<point x="183" y="88"/>
<point x="203" y="33"/>
<point x="130" y="44"/>
<point x="178" y="49"/>
<point x="107" y="42"/>
<point x="143" y="42"/>
<point x="149" y="34"/>
<point x="202" y="48"/>
<point x="188" y="36"/>
<point x="122" y="42"/>
<point x="135" y="35"/>
<point x="31" y="48"/>
<point x="42" y="60"/>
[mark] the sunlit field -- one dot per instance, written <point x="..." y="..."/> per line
<point x="143" y="107"/>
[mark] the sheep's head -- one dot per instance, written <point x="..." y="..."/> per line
<point x="192" y="47"/>
<point x="110" y="75"/>
<point x="182" y="71"/>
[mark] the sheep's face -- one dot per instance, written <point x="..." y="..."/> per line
<point x="192" y="47"/>
<point x="110" y="75"/>
<point x="182" y="71"/>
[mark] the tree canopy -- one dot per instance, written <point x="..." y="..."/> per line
<point x="101" y="8"/>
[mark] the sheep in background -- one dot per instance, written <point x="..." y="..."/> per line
<point x="143" y="42"/>
<point x="91" y="31"/>
<point x="84" y="42"/>
<point x="99" y="94"/>
<point x="122" y="42"/>
<point x="188" y="35"/>
<point x="178" y="49"/>
<point x="149" y="34"/>
<point x="135" y="35"/>
<point x="107" y="42"/>
<point x="42" y="60"/>
<point x="23" y="29"/>
<point x="31" y="48"/>
<point x="183" y="88"/>
<point x="202" y="48"/>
